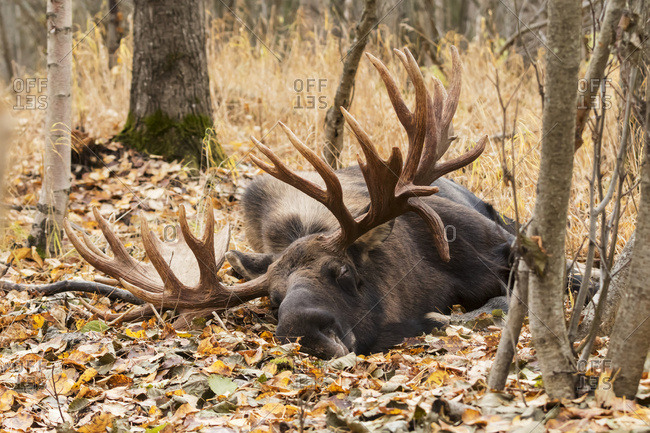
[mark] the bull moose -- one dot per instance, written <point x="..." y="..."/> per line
<point x="352" y="260"/>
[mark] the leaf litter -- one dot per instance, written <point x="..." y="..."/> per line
<point x="63" y="369"/>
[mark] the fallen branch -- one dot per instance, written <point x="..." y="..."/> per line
<point x="110" y="292"/>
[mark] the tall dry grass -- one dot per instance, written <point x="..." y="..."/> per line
<point x="252" y="91"/>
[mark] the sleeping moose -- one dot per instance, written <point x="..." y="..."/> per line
<point x="352" y="260"/>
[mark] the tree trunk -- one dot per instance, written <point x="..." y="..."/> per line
<point x="48" y="222"/>
<point x="114" y="31"/>
<point x="546" y="283"/>
<point x="170" y="107"/>
<point x="596" y="69"/>
<point x="618" y="286"/>
<point x="510" y="334"/>
<point x="5" y="142"/>
<point x="7" y="24"/>
<point x="630" y="338"/>
<point x="334" y="118"/>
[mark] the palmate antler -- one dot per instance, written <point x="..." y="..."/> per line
<point x="182" y="274"/>
<point x="394" y="187"/>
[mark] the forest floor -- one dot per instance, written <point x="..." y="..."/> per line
<point x="58" y="362"/>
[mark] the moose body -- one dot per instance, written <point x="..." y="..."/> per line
<point x="353" y="260"/>
<point x="399" y="276"/>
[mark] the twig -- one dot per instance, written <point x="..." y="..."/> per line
<point x="218" y="319"/>
<point x="56" y="395"/>
<point x="155" y="312"/>
<point x="512" y="39"/>
<point x="612" y="226"/>
<point x="593" y="221"/>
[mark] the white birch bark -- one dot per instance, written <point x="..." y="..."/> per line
<point x="53" y="202"/>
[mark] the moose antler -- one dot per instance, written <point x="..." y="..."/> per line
<point x="394" y="186"/>
<point x="182" y="274"/>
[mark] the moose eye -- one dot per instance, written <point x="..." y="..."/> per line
<point x="345" y="279"/>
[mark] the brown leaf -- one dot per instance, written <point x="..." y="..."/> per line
<point x="97" y="424"/>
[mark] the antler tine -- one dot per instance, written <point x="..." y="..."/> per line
<point x="151" y="245"/>
<point x="453" y="93"/>
<point x="370" y="152"/>
<point x="332" y="183"/>
<point x="280" y="171"/>
<point x="461" y="161"/>
<point x="93" y="247"/>
<point x="157" y="283"/>
<point x="119" y="266"/>
<point x="421" y="126"/>
<point x="418" y="129"/>
<point x="203" y="249"/>
<point x="222" y="243"/>
<point x="119" y="251"/>
<point x="403" y="113"/>
<point x="331" y="197"/>
<point x="435" y="224"/>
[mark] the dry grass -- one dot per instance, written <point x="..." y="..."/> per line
<point x="252" y="90"/>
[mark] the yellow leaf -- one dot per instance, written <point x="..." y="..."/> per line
<point x="135" y="335"/>
<point x="64" y="385"/>
<point x="97" y="424"/>
<point x="219" y="368"/>
<point x="275" y="409"/>
<point x="270" y="369"/>
<point x="21" y="253"/>
<point x="7" y="399"/>
<point x="87" y="375"/>
<point x="155" y="412"/>
<point x="36" y="257"/>
<point x="472" y="416"/>
<point x="437" y="377"/>
<point x="39" y="321"/>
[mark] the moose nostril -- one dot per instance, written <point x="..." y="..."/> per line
<point x="317" y="330"/>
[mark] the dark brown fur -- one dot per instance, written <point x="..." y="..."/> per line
<point x="379" y="291"/>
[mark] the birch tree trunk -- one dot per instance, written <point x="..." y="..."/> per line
<point x="546" y="283"/>
<point x="630" y="339"/>
<point x="48" y="222"/>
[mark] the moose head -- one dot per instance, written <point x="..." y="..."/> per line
<point x="328" y="290"/>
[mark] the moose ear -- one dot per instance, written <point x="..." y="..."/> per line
<point x="375" y="237"/>
<point x="249" y="265"/>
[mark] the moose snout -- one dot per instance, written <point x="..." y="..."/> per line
<point x="314" y="326"/>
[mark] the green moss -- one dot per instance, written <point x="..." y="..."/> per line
<point x="184" y="139"/>
<point x="283" y="363"/>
